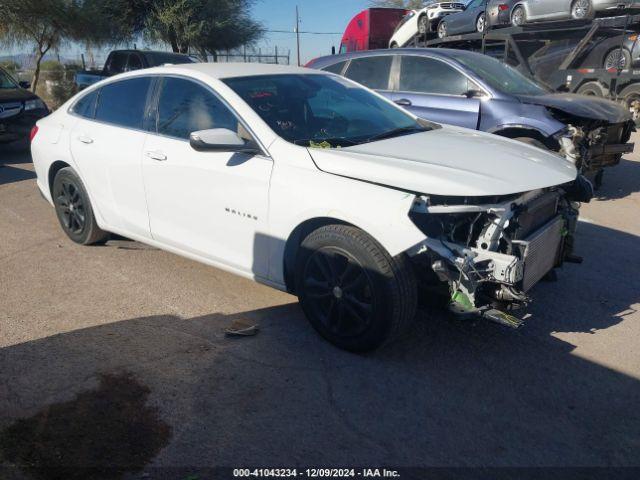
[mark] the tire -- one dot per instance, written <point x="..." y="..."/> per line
<point x="73" y="209"/>
<point x="442" y="30"/>
<point x="423" y="25"/>
<point x="518" y="16"/>
<point x="582" y="10"/>
<point x="629" y="95"/>
<point x="613" y="59"/>
<point x="481" y="23"/>
<point x="594" y="89"/>
<point x="531" y="141"/>
<point x="394" y="45"/>
<point x="353" y="293"/>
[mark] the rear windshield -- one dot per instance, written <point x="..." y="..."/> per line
<point x="156" y="59"/>
<point x="499" y="76"/>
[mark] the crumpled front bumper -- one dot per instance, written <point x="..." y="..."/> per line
<point x="591" y="151"/>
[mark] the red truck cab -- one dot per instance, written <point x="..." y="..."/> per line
<point x="371" y="29"/>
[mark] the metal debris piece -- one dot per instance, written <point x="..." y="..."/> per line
<point x="242" y="328"/>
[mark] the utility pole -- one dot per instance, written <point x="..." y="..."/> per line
<point x="298" y="33"/>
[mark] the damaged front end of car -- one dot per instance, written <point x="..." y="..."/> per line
<point x="592" y="145"/>
<point x="491" y="251"/>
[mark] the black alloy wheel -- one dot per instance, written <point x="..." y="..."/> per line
<point x="73" y="209"/>
<point x="351" y="290"/>
<point x="339" y="292"/>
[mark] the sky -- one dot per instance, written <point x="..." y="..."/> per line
<point x="316" y="16"/>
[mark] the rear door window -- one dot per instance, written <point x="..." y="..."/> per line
<point x="372" y="72"/>
<point x="123" y="103"/>
<point x="428" y="75"/>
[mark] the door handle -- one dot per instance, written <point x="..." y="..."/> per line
<point x="160" y="157"/>
<point x="85" y="139"/>
<point x="404" y="102"/>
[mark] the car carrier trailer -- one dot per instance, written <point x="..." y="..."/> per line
<point x="515" y="45"/>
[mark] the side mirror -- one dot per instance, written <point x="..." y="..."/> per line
<point x="221" y="140"/>
<point x="25" y="85"/>
<point x="475" y="94"/>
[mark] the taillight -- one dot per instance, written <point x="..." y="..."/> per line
<point x="503" y="7"/>
<point x="32" y="135"/>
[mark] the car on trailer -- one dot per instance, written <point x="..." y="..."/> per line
<point x="476" y="91"/>
<point x="471" y="19"/>
<point x="520" y="12"/>
<point x="420" y="23"/>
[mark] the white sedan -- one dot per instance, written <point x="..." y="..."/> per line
<point x="423" y="21"/>
<point x="310" y="183"/>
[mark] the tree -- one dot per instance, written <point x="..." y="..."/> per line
<point x="408" y="4"/>
<point x="204" y="26"/>
<point x="41" y="24"/>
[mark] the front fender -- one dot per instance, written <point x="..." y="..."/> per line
<point x="300" y="192"/>
<point x="520" y="115"/>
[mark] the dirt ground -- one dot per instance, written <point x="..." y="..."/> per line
<point x="114" y="358"/>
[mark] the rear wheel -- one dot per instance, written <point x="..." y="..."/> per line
<point x="73" y="209"/>
<point x="518" y="17"/>
<point x="353" y="293"/>
<point x="442" y="30"/>
<point x="594" y="89"/>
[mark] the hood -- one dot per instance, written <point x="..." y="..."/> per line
<point x="581" y="106"/>
<point x="15" y="95"/>
<point x="449" y="161"/>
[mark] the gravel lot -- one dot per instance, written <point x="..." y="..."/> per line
<point x="117" y="354"/>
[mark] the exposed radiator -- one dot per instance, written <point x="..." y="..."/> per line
<point x="541" y="251"/>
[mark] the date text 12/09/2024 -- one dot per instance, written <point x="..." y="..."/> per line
<point x="316" y="473"/>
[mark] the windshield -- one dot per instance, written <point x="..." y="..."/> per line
<point x="502" y="77"/>
<point x="323" y="111"/>
<point x="6" y="81"/>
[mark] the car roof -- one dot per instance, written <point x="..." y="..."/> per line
<point x="449" y="53"/>
<point x="233" y="69"/>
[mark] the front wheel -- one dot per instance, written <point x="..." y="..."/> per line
<point x="423" y="25"/>
<point x="630" y="97"/>
<point x="353" y="293"/>
<point x="442" y="30"/>
<point x="617" y="60"/>
<point x="481" y="23"/>
<point x="73" y="209"/>
<point x="531" y="141"/>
